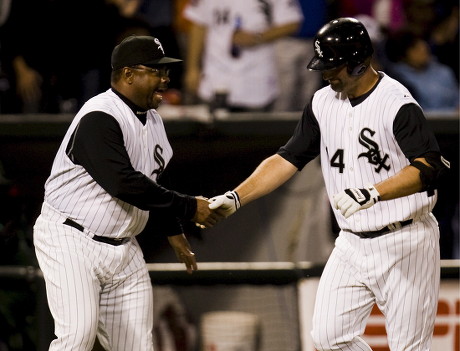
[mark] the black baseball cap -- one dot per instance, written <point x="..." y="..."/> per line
<point x="140" y="50"/>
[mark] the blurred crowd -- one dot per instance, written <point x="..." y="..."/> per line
<point x="54" y="54"/>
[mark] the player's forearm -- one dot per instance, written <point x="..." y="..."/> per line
<point x="268" y="176"/>
<point x="404" y="183"/>
<point x="277" y="32"/>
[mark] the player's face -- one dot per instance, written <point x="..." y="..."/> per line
<point x="340" y="80"/>
<point x="150" y="84"/>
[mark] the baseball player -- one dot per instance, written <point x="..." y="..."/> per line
<point x="230" y="49"/>
<point x="102" y="187"/>
<point x="381" y="165"/>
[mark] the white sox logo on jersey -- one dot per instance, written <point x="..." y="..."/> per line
<point x="157" y="154"/>
<point x="373" y="153"/>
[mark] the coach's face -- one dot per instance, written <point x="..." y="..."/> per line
<point x="149" y="84"/>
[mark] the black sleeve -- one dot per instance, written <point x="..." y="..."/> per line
<point x="304" y="145"/>
<point x="98" y="146"/>
<point x="412" y="132"/>
<point x="165" y="222"/>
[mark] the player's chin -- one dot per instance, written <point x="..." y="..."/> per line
<point x="336" y="85"/>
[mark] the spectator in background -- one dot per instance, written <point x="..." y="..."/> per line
<point x="377" y="35"/>
<point x="20" y="43"/>
<point x="158" y="16"/>
<point x="5" y="88"/>
<point x="230" y="50"/>
<point x="419" y="16"/>
<point x="45" y="46"/>
<point x="432" y="83"/>
<point x="388" y="13"/>
<point x="444" y="37"/>
<point x="297" y="84"/>
<point x="42" y="53"/>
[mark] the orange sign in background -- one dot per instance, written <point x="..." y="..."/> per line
<point x="446" y="336"/>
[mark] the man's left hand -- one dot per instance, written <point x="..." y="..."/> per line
<point x="353" y="199"/>
<point x="183" y="251"/>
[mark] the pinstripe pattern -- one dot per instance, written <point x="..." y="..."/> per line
<point x="97" y="289"/>
<point x="341" y="125"/>
<point x="107" y="287"/>
<point x="72" y="191"/>
<point x="398" y="271"/>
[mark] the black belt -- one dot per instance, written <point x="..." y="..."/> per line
<point x="102" y="239"/>
<point x="389" y="228"/>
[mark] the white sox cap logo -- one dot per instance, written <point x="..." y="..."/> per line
<point x="318" y="49"/>
<point x="160" y="47"/>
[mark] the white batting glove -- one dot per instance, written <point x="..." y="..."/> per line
<point x="227" y="203"/>
<point x="353" y="199"/>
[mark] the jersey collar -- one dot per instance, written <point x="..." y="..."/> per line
<point x="356" y="101"/>
<point x="141" y="114"/>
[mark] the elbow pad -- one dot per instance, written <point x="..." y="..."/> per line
<point x="430" y="175"/>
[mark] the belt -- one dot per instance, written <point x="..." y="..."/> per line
<point x="389" y="228"/>
<point x="102" y="239"/>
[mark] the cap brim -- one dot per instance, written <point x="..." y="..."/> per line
<point x="162" y="61"/>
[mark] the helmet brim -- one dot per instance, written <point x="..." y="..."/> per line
<point x="316" y="64"/>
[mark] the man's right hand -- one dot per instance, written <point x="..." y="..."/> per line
<point x="225" y="204"/>
<point x="205" y="217"/>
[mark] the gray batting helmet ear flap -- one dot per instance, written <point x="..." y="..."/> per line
<point x="342" y="41"/>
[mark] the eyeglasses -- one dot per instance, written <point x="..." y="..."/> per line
<point x="163" y="72"/>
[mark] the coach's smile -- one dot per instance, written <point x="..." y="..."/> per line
<point x="158" y="93"/>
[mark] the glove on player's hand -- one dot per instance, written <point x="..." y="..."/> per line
<point x="351" y="200"/>
<point x="226" y="204"/>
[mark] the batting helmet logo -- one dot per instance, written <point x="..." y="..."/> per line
<point x="318" y="50"/>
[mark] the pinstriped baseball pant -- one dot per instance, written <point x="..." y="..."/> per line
<point x="399" y="271"/>
<point x="93" y="289"/>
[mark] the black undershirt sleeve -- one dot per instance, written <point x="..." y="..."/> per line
<point x="304" y="145"/>
<point x="412" y="132"/>
<point x="97" y="145"/>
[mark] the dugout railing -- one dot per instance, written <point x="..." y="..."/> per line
<point x="209" y="274"/>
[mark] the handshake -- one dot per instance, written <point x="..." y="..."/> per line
<point x="210" y="211"/>
<point x="221" y="207"/>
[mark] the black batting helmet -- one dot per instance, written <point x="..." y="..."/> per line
<point x="341" y="41"/>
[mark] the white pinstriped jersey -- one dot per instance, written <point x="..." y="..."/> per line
<point x="72" y="191"/>
<point x="251" y="79"/>
<point x="358" y="147"/>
